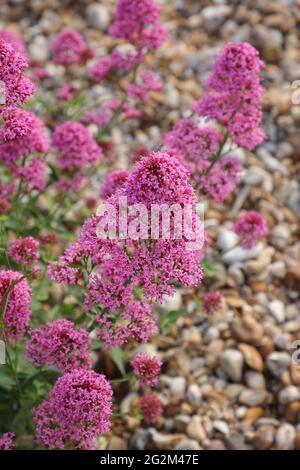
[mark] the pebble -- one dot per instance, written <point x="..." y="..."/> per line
<point x="181" y="422"/>
<point x="116" y="443"/>
<point x="294" y="202"/>
<point x="237" y="274"/>
<point x="194" y="394"/>
<point x="254" y="175"/>
<point x="172" y="96"/>
<point x="238" y="254"/>
<point x="247" y="328"/>
<point x="285" y="437"/>
<point x="216" y="444"/>
<point x="255" y="380"/>
<point x="292" y="413"/>
<point x="211" y="334"/>
<point x="177" y="385"/>
<point x="277" y="269"/>
<point x="252" y="397"/>
<point x="188" y="444"/>
<point x="252" y="357"/>
<point x="289" y="394"/>
<point x="280" y="236"/>
<point x="195" y="429"/>
<point x="232" y="362"/>
<point x="97" y="16"/>
<point x="278" y="362"/>
<point x="139" y="440"/>
<point x="277" y="310"/>
<point x="172" y="302"/>
<point x="295" y="374"/>
<point x="214" y="16"/>
<point x="222" y="427"/>
<point x="39" y="49"/>
<point x="253" y="414"/>
<point x="235" y="441"/>
<point x="226" y="239"/>
<point x="284" y="150"/>
<point x="264" y="437"/>
<point x="126" y="402"/>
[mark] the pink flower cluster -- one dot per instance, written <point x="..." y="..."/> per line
<point x="24" y="135"/>
<point x="150" y="407"/>
<point x="123" y="267"/>
<point x="147" y="81"/>
<point x="25" y="250"/>
<point x="18" y="310"/>
<point x="147" y="369"/>
<point x="119" y="59"/>
<point x="222" y="179"/>
<point x="138" y="22"/>
<point x="69" y="48"/>
<point x="251" y="227"/>
<point x="66" y="92"/>
<point x="14" y="40"/>
<point x="78" y="410"/>
<point x="196" y="144"/>
<point x="112" y="182"/>
<point x="76" y="146"/>
<point x="6" y="441"/>
<point x="234" y="94"/>
<point x="213" y="302"/>
<point x="15" y="87"/>
<point x="17" y="123"/>
<point x="60" y="344"/>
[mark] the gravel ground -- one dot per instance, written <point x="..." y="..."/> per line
<point x="228" y="381"/>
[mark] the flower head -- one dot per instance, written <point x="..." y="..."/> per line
<point x="251" y="227"/>
<point x="17" y="123"/>
<point x="66" y="92"/>
<point x="147" y="81"/>
<point x="112" y="182"/>
<point x="6" y="441"/>
<point x="101" y="68"/>
<point x="18" y="311"/>
<point x="25" y="135"/>
<point x="150" y="407"/>
<point x="147" y="369"/>
<point x="69" y="48"/>
<point x="14" y="40"/>
<point x="196" y="144"/>
<point x="16" y="88"/>
<point x="76" y="146"/>
<point x="234" y="93"/>
<point x="213" y="301"/>
<point x="132" y="16"/>
<point x="78" y="410"/>
<point x="222" y="179"/>
<point x="60" y="344"/>
<point x="25" y="250"/>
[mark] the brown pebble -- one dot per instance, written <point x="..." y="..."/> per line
<point x="247" y="329"/>
<point x="295" y="374"/>
<point x="253" y="414"/>
<point x="252" y="357"/>
<point x="266" y="347"/>
<point x="216" y="444"/>
<point x="293" y="412"/>
<point x="297" y="441"/>
<point x="264" y="437"/>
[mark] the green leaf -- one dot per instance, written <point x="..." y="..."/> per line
<point x="116" y="355"/>
<point x="208" y="269"/>
<point x="169" y="319"/>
